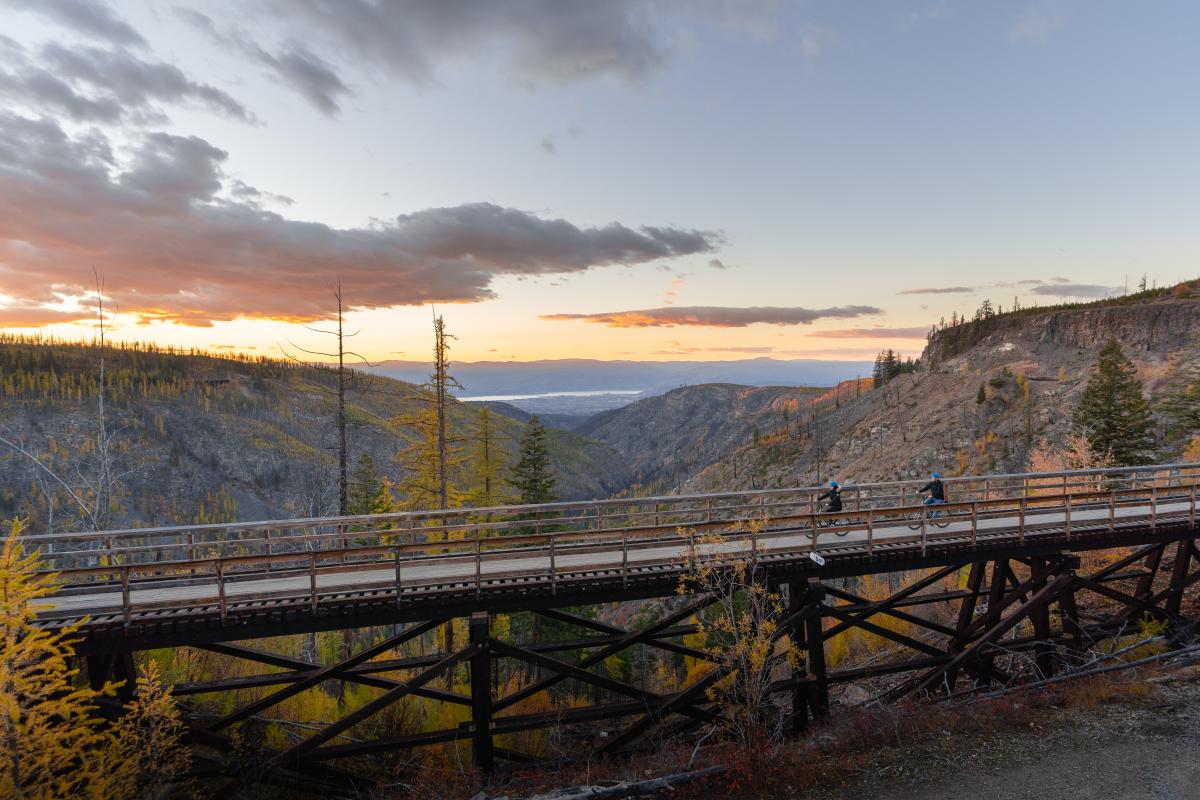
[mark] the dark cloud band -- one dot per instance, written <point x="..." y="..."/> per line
<point x="716" y="316"/>
<point x="176" y="240"/>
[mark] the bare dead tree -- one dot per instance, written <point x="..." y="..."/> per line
<point x="343" y="378"/>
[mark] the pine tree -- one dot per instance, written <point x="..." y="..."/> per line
<point x="368" y="493"/>
<point x="532" y="476"/>
<point x="981" y="395"/>
<point x="1113" y="414"/>
<point x="485" y="465"/>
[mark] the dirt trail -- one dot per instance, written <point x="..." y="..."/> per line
<point x="1147" y="748"/>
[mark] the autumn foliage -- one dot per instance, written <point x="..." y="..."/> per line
<point x="53" y="744"/>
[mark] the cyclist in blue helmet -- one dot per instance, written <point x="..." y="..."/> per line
<point x="834" y="495"/>
<point x="936" y="489"/>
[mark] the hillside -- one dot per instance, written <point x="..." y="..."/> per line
<point x="669" y="438"/>
<point x="198" y="437"/>
<point x="1033" y="365"/>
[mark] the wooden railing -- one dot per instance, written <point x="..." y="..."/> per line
<point x="416" y="553"/>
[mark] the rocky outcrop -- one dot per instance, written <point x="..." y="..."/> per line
<point x="1150" y="329"/>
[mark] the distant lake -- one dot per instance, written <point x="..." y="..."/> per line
<point x="508" y="398"/>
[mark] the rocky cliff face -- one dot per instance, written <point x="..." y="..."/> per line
<point x="1148" y="331"/>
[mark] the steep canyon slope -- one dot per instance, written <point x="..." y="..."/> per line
<point x="1032" y="366"/>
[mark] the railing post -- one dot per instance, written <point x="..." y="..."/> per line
<point x="192" y="545"/>
<point x="1192" y="510"/>
<point x="270" y="551"/>
<point x="1021" y="528"/>
<point x="924" y="516"/>
<point x="1112" y="511"/>
<point x="692" y="548"/>
<point x="708" y="507"/>
<point x="814" y="532"/>
<point x="975" y="521"/>
<point x="870" y="531"/>
<point x="624" y="558"/>
<point x="126" y="606"/>
<point x="1067" y="515"/>
<point x="478" y="566"/>
<point x="397" y="573"/>
<point x="221" y="587"/>
<point x="553" y="571"/>
<point x="1153" y="507"/>
<point x="312" y="580"/>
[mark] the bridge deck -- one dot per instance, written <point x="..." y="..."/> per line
<point x="430" y="573"/>
<point x="130" y="588"/>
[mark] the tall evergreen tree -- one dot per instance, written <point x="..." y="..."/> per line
<point x="368" y="493"/>
<point x="1113" y="413"/>
<point x="532" y="477"/>
<point x="486" y="489"/>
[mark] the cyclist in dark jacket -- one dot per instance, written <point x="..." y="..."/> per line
<point x="936" y="489"/>
<point x="834" y="496"/>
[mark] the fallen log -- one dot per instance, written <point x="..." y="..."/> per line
<point x="623" y="789"/>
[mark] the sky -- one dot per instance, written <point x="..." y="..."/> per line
<point x="565" y="178"/>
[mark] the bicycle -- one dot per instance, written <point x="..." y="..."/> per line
<point x="829" y="523"/>
<point x="932" y="517"/>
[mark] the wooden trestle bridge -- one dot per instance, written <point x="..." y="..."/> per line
<point x="1017" y="539"/>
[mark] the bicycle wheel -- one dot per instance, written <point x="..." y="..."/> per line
<point x="915" y="521"/>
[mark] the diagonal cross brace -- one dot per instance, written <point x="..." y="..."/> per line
<point x="299" y="670"/>
<point x="572" y="671"/>
<point x="690" y="695"/>
<point x="613" y="649"/>
<point x="1044" y="595"/>
<point x="376" y="705"/>
<point x="332" y="671"/>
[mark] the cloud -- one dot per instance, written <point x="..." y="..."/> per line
<point x="310" y="75"/>
<point x="294" y="65"/>
<point x="918" y="332"/>
<point x="715" y="316"/>
<point x="941" y="290"/>
<point x="34" y="316"/>
<point x="549" y="146"/>
<point x="717" y="263"/>
<point x="91" y="84"/>
<point x="174" y="241"/>
<point x="812" y="41"/>
<point x="91" y="18"/>
<point x="1078" y="290"/>
<point x="535" y="41"/>
<point x="1037" y="21"/>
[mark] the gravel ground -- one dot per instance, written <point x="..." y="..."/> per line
<point x="1132" y="749"/>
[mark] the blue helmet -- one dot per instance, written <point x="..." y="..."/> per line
<point x="834" y="484"/>
<point x="937" y="475"/>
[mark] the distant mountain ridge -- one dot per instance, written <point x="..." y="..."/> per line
<point x="506" y="378"/>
